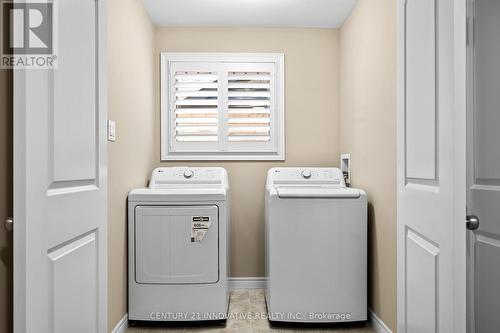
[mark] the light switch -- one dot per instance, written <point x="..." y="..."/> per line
<point x="111" y="130"/>
<point x="345" y="167"/>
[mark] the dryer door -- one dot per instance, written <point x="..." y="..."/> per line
<point x="176" y="244"/>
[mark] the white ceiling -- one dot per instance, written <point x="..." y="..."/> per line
<point x="249" y="13"/>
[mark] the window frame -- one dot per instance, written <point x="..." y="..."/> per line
<point x="168" y="117"/>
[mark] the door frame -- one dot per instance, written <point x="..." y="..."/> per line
<point x="459" y="157"/>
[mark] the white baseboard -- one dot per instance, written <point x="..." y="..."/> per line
<point x="122" y="325"/>
<point x="247" y="283"/>
<point x="377" y="324"/>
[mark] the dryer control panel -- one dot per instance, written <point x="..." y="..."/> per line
<point x="305" y="176"/>
<point x="175" y="177"/>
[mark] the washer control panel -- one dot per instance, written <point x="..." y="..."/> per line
<point x="305" y="176"/>
<point x="186" y="176"/>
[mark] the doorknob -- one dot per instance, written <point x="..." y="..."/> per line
<point x="472" y="222"/>
<point x="8" y="223"/>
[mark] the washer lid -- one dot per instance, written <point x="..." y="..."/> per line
<point x="316" y="192"/>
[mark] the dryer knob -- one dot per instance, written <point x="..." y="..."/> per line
<point x="188" y="173"/>
<point x="306" y="174"/>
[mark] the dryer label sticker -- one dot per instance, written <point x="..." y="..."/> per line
<point x="199" y="227"/>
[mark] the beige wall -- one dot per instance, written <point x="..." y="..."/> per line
<point x="131" y="105"/>
<point x="5" y="200"/>
<point x="367" y="131"/>
<point x="311" y="111"/>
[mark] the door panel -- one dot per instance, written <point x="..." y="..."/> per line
<point x="422" y="283"/>
<point x="60" y="235"/>
<point x="420" y="67"/>
<point x="73" y="104"/>
<point x="487" y="115"/>
<point x="73" y="277"/>
<point x="487" y="276"/>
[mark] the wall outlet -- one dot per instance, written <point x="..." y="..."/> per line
<point x="111" y="130"/>
<point x="345" y="167"/>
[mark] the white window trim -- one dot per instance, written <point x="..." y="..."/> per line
<point x="277" y="58"/>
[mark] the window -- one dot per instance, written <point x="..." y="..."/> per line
<point x="222" y="106"/>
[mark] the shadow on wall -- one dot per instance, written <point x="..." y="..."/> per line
<point x="6" y="260"/>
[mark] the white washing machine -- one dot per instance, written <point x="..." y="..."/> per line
<point x="178" y="246"/>
<point x="316" y="247"/>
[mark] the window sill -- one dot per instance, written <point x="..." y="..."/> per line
<point x="223" y="157"/>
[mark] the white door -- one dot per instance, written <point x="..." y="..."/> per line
<point x="60" y="235"/>
<point x="484" y="167"/>
<point x="431" y="166"/>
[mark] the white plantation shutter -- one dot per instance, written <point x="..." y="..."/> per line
<point x="222" y="106"/>
<point x="249" y="106"/>
<point x="196" y="107"/>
